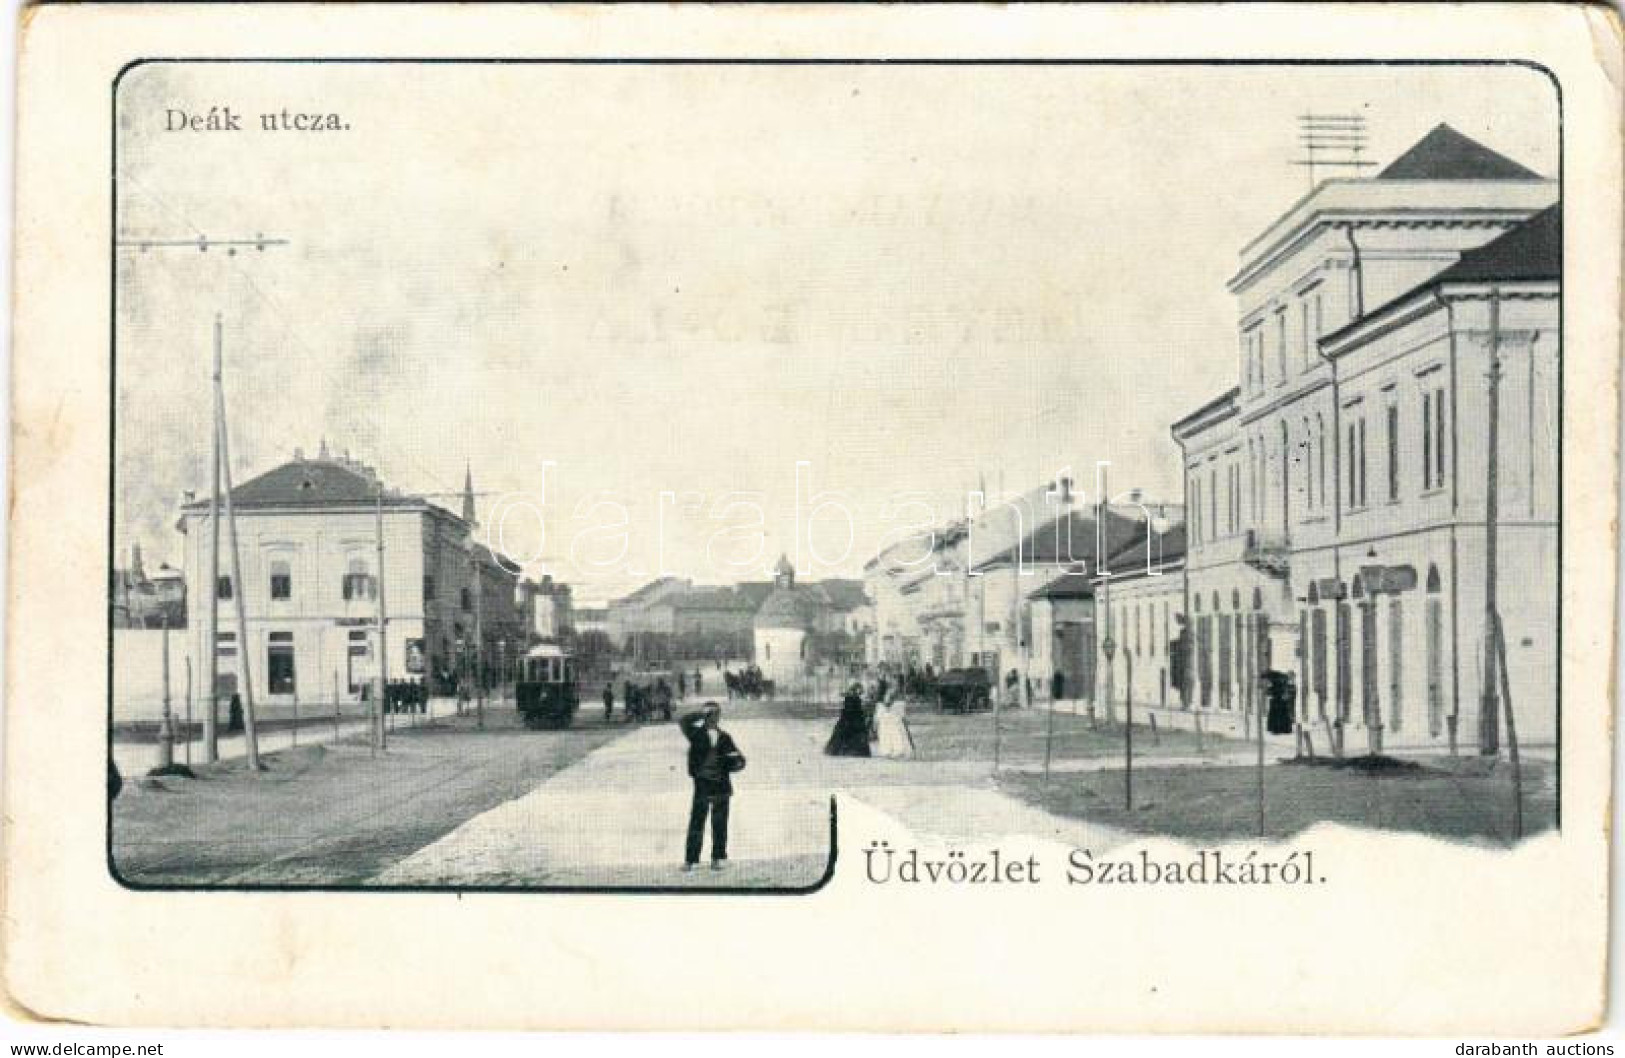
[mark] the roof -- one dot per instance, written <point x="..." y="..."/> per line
<point x="313" y="483"/>
<point x="1529" y="252"/>
<point x="754" y="592"/>
<point x="1224" y="402"/>
<point x="1067" y="586"/>
<point x="711" y="598"/>
<point x="1166" y="547"/>
<point x="841" y="594"/>
<point x="1068" y="540"/>
<point x="786" y="608"/>
<point x="1532" y="250"/>
<point x="651" y="589"/>
<point x="1445" y="154"/>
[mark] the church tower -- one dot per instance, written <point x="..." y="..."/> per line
<point x="468" y="494"/>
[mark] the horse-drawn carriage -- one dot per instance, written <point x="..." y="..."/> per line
<point x="964" y="690"/>
<point x="748" y="684"/>
<point x="648" y="692"/>
<point x="548" y="689"/>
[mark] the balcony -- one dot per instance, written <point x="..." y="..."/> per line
<point x="1268" y="552"/>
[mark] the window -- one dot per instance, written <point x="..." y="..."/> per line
<point x="225" y="644"/>
<point x="1196" y="509"/>
<point x="281" y="579"/>
<point x="428" y="588"/>
<point x="1235" y="496"/>
<point x="1320" y="455"/>
<point x="279" y="663"/>
<point x="1307" y="337"/>
<point x="1393" y="452"/>
<point x="358" y="583"/>
<point x="1433" y="436"/>
<point x="222" y="588"/>
<point x="1356" y="473"/>
<point x="465" y="599"/>
<point x="1213" y="499"/>
<point x="1280" y="345"/>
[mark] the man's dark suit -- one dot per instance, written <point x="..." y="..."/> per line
<point x="709" y="765"/>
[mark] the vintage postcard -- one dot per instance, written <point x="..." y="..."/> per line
<point x="1102" y="517"/>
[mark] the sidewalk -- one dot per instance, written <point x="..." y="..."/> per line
<point x="137" y="758"/>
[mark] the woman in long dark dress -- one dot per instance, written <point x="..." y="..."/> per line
<point x="851" y="735"/>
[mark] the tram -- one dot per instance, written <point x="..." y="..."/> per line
<point x="548" y="690"/>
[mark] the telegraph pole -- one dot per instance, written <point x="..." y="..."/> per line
<point x="1489" y="735"/>
<point x="244" y="648"/>
<point x="211" y="648"/>
<point x="166" y="730"/>
<point x="382" y="697"/>
<point x="479" y="635"/>
<point x="211" y="734"/>
<point x="1103" y="597"/>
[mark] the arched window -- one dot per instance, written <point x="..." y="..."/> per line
<point x="1258" y="598"/>
<point x="1359" y="587"/>
<point x="1215" y="602"/>
<point x="1314" y="594"/>
<point x="1433" y="579"/>
<point x="1235" y="598"/>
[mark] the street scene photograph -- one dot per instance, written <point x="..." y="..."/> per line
<point x="612" y="476"/>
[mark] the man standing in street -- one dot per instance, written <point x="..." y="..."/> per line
<point x="712" y="760"/>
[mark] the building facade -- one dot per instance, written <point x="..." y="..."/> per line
<point x="308" y="534"/>
<point x="1336" y="494"/>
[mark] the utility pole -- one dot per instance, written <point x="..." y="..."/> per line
<point x="479" y="632"/>
<point x="1128" y="730"/>
<point x="1103" y="598"/>
<point x="381" y="619"/>
<point x="188" y="712"/>
<point x="244" y="647"/>
<point x="1489" y="735"/>
<point x="230" y="246"/>
<point x="1259" y="718"/>
<point x="211" y="649"/>
<point x="166" y="730"/>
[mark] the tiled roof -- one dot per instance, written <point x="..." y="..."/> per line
<point x="1445" y="154"/>
<point x="787" y="608"/>
<point x="1166" y="547"/>
<point x="1060" y="543"/>
<point x="842" y="594"/>
<point x="1067" y="586"/>
<point x="1532" y="250"/>
<point x="311" y="483"/>
<point x="711" y="598"/>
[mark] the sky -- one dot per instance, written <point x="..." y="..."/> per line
<point x="598" y="284"/>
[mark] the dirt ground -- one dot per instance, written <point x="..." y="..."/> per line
<point x="1024" y="732"/>
<point x="337" y="814"/>
<point x="1444" y="797"/>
